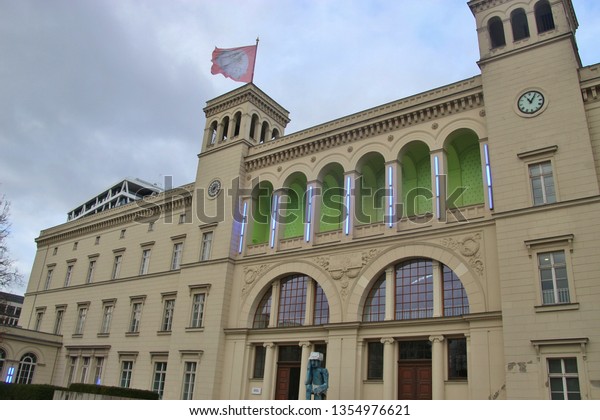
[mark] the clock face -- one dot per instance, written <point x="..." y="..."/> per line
<point x="214" y="188"/>
<point x="530" y="102"/>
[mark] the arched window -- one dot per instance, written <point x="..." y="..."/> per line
<point x="520" y="27"/>
<point x="496" y="31"/>
<point x="374" y="309"/>
<point x="291" y="307"/>
<point x="237" y="120"/>
<point x="253" y="125"/>
<point x="543" y="16"/>
<point x="263" y="132"/>
<point x="26" y="368"/>
<point x="275" y="134"/>
<point x="465" y="177"/>
<point x="213" y="132"/>
<point x="225" y="128"/>
<point x="416" y="179"/>
<point x="418" y="283"/>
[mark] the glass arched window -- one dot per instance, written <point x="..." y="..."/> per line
<point x="293" y="204"/>
<point x="263" y="312"/>
<point x="375" y="304"/>
<point x="520" y="27"/>
<point x="496" y="31"/>
<point x="332" y="193"/>
<point x="2" y="359"/>
<point x="416" y="290"/>
<point x="26" y="368"/>
<point x="291" y="307"/>
<point x="543" y="16"/>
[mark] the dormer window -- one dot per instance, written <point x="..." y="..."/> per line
<point x="520" y="27"/>
<point x="496" y="31"/>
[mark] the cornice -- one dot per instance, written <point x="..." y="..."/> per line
<point x="140" y="209"/>
<point x="481" y="5"/>
<point x="448" y="100"/>
<point x="249" y="93"/>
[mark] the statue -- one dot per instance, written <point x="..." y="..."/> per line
<point x="317" y="377"/>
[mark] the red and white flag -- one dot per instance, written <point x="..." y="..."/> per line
<point x="235" y="63"/>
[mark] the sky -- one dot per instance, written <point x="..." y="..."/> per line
<point x="95" y="91"/>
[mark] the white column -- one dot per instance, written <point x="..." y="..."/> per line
<point x="392" y="182"/>
<point x="312" y="216"/>
<point x="306" y="348"/>
<point x="437" y="367"/>
<point x="439" y="182"/>
<point x="275" y="290"/>
<point x="390" y="293"/>
<point x="349" y="204"/>
<point x="388" y="367"/>
<point x="269" y="371"/>
<point x="437" y="288"/>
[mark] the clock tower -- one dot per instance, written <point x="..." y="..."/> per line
<point x="530" y="74"/>
<point x="237" y="121"/>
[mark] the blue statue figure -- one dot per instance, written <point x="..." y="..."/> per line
<point x="317" y="378"/>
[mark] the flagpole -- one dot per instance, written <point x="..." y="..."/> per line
<point x="254" y="64"/>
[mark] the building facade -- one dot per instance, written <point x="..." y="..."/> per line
<point x="441" y="246"/>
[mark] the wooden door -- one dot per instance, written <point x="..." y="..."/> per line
<point x="414" y="380"/>
<point x="288" y="382"/>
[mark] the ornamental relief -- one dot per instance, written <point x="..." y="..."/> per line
<point x="344" y="269"/>
<point x="469" y="247"/>
<point x="251" y="274"/>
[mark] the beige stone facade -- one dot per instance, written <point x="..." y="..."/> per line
<point x="454" y="258"/>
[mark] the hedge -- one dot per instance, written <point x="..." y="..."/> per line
<point x="27" y="392"/>
<point x="115" y="391"/>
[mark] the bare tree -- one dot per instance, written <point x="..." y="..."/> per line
<point x="9" y="275"/>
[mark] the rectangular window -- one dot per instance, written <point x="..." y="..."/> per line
<point x="189" y="378"/>
<point x="197" y="310"/>
<point x="117" y="266"/>
<point x="564" y="379"/>
<point x="457" y="358"/>
<point x="98" y="370"/>
<point x="39" y="315"/>
<point x="90" y="273"/>
<point x="259" y="361"/>
<point x="542" y="183"/>
<point x="72" y="370"/>
<point x="48" y="279"/>
<point x="375" y="360"/>
<point x="58" y="321"/>
<point x="81" y="315"/>
<point x="176" y="260"/>
<point x="553" y="277"/>
<point x="126" y="373"/>
<point x="68" y="275"/>
<point x="206" y="245"/>
<point x="122" y="235"/>
<point x="136" y="317"/>
<point x="85" y="367"/>
<point x="106" y="318"/>
<point x="169" y="309"/>
<point x="145" y="262"/>
<point x="160" y="374"/>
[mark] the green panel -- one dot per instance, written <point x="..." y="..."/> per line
<point x="464" y="170"/>
<point x="331" y="203"/>
<point x="293" y="223"/>
<point x="370" y="207"/>
<point x="261" y="214"/>
<point x="416" y="180"/>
